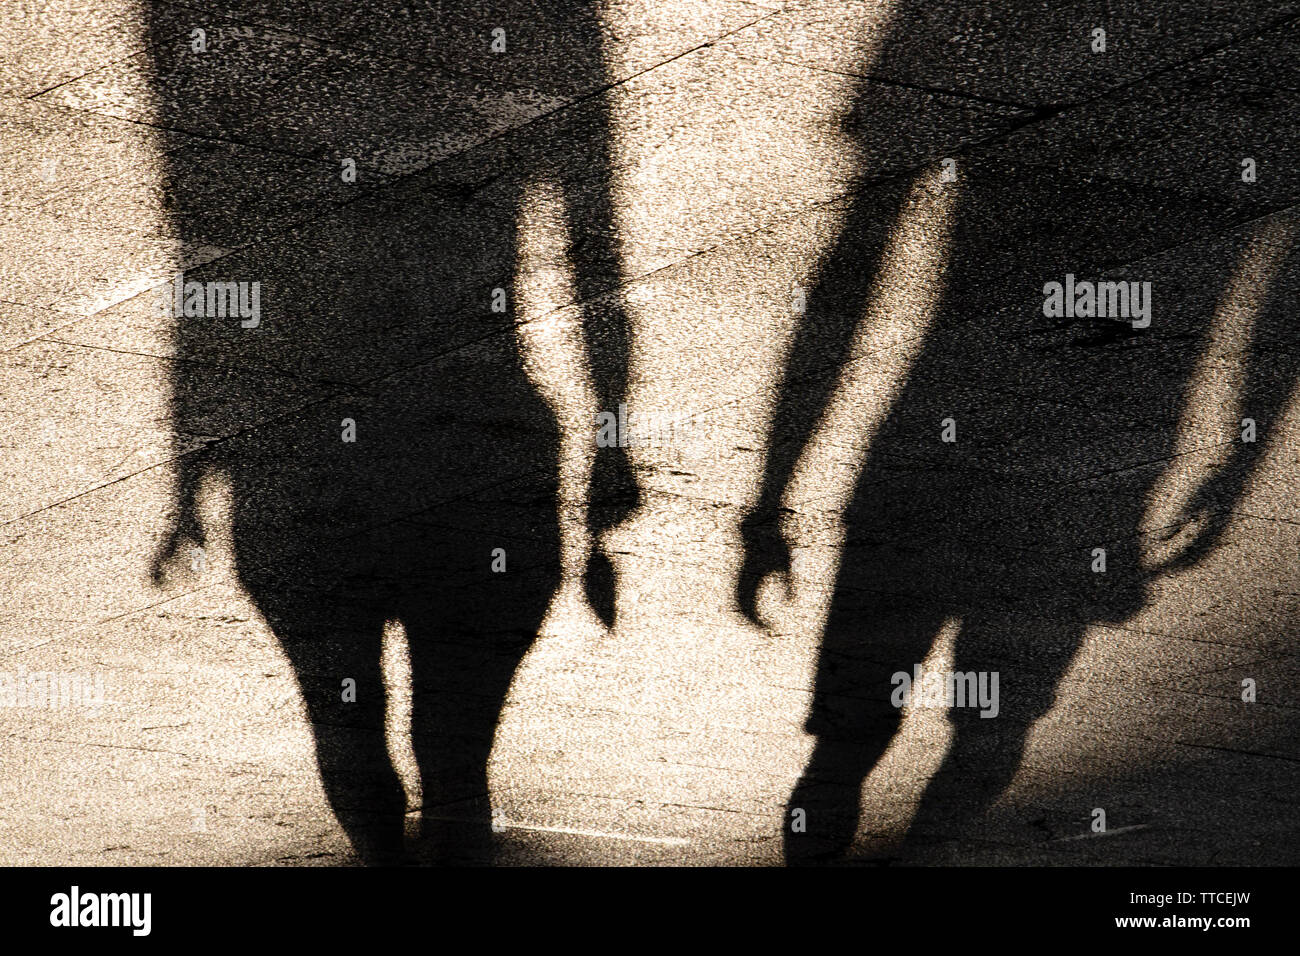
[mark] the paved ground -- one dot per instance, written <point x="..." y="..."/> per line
<point x="716" y="175"/>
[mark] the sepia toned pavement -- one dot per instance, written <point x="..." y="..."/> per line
<point x="677" y="736"/>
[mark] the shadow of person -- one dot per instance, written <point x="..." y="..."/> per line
<point x="1004" y="493"/>
<point x="389" y="461"/>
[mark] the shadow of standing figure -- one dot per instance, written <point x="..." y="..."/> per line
<point x="1019" y="447"/>
<point x="388" y="458"/>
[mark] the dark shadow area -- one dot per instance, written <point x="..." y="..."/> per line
<point x="1061" y="425"/>
<point x="388" y="457"/>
